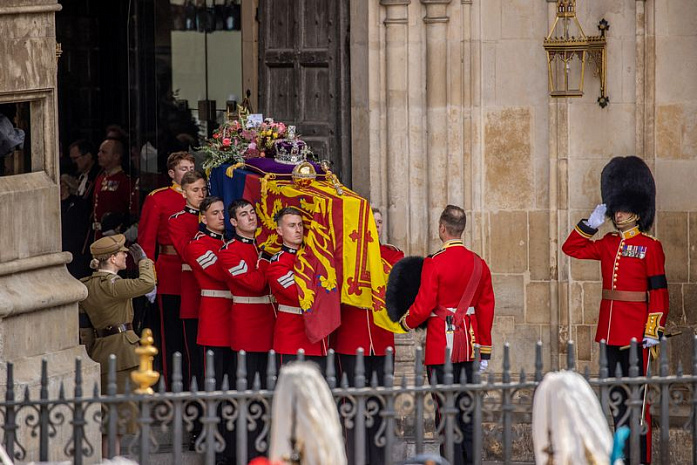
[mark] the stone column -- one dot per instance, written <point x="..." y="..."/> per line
<point x="38" y="297"/>
<point x="436" y="21"/>
<point x="397" y="112"/>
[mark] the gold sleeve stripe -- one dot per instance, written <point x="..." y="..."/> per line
<point x="581" y="232"/>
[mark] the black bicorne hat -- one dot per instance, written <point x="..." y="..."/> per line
<point x="402" y="287"/>
<point x="626" y="184"/>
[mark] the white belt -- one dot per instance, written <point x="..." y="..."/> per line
<point x="470" y="311"/>
<point x="290" y="309"/>
<point x="186" y="267"/>
<point x="262" y="299"/>
<point x="216" y="293"/>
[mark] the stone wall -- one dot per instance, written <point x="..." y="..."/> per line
<point x="38" y="298"/>
<point x="450" y="105"/>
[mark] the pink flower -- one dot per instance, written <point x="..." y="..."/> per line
<point x="216" y="135"/>
<point x="227" y="142"/>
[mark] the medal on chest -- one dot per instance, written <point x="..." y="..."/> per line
<point x="634" y="251"/>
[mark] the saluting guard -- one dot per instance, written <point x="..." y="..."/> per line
<point x="634" y="301"/>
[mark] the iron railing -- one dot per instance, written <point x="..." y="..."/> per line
<point x="401" y="411"/>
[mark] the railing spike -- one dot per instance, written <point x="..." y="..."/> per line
<point x="418" y="367"/>
<point x="177" y="377"/>
<point x="26" y="393"/>
<point x="271" y="371"/>
<point x="539" y="366"/>
<point x="587" y="373"/>
<point x="663" y="357"/>
<point x="389" y="367"/>
<point x="633" y="358"/>
<point x="506" y="363"/>
<point x="679" y="372"/>
<point x="301" y="355"/>
<point x="194" y="384"/>
<point x="225" y="385"/>
<point x="161" y="388"/>
<point x="374" y="380"/>
<point x="331" y="369"/>
<point x="604" y="370"/>
<point x="359" y="375"/>
<point x="344" y="380"/>
<point x="571" y="356"/>
<point x="522" y="375"/>
<point x="403" y="383"/>
<point x="256" y="383"/>
<point x="242" y="371"/>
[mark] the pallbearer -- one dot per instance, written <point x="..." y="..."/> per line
<point x="358" y="330"/>
<point x="153" y="237"/>
<point x="635" y="291"/>
<point x="289" y="332"/>
<point x="183" y="226"/>
<point x="214" y="328"/>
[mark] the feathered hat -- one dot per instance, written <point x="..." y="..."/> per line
<point x="626" y="184"/>
<point x="402" y="286"/>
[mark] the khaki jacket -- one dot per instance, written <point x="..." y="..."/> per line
<point x="109" y="302"/>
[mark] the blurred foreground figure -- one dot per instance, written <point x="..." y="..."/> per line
<point x="305" y="425"/>
<point x="568" y="425"/>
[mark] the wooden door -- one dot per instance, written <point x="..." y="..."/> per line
<point x="304" y="73"/>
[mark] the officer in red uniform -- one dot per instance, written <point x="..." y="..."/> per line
<point x="358" y="330"/>
<point x="289" y="331"/>
<point x="457" y="299"/>
<point x="634" y="301"/>
<point x="112" y="199"/>
<point x="215" y="322"/>
<point x="153" y="237"/>
<point x="183" y="226"/>
<point x="253" y="316"/>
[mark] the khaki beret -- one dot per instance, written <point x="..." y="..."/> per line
<point x="108" y="246"/>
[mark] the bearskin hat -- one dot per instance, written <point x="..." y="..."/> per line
<point x="402" y="286"/>
<point x="626" y="184"/>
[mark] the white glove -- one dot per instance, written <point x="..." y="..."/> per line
<point x="151" y="295"/>
<point x="131" y="233"/>
<point x="597" y="218"/>
<point x="650" y="342"/>
<point x="483" y="365"/>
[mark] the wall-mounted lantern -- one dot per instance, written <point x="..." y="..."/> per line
<point x="569" y="49"/>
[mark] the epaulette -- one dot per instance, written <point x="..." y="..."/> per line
<point x="436" y="253"/>
<point x="276" y="257"/>
<point x="155" y="191"/>
<point x="650" y="236"/>
<point x="177" y="214"/>
<point x="393" y="247"/>
<point x="614" y="233"/>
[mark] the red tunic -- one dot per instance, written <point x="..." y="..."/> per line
<point x="289" y="332"/>
<point x="153" y="236"/>
<point x="112" y="194"/>
<point x="444" y="277"/>
<point x="183" y="226"/>
<point x="629" y="261"/>
<point x="358" y="329"/>
<point x="253" y="315"/>
<point x="214" y="319"/>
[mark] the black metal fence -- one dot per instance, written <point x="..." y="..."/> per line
<point x="401" y="412"/>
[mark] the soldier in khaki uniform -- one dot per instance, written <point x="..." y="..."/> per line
<point x="109" y="307"/>
<point x="109" y="304"/>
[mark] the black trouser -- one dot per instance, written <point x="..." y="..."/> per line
<point x="172" y="331"/>
<point x="374" y="364"/>
<point x="224" y="363"/>
<point x="321" y="360"/>
<point x="195" y="351"/>
<point x="147" y="315"/>
<point x="463" y="451"/>
<point x="615" y="355"/>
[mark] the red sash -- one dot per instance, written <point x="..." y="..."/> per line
<point x="461" y="320"/>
